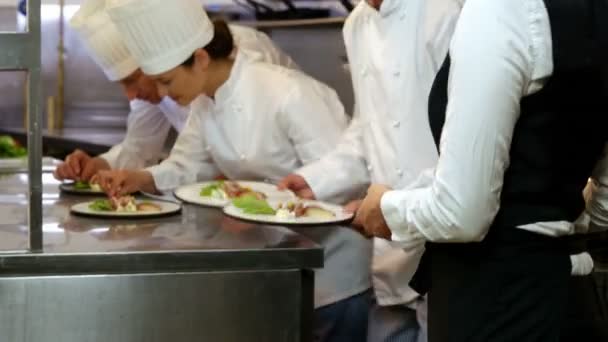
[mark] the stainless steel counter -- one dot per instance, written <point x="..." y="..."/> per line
<point x="195" y="276"/>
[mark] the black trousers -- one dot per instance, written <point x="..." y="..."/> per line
<point x="587" y="314"/>
<point x="509" y="288"/>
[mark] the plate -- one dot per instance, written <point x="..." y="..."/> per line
<point x="340" y="217"/>
<point x="20" y="164"/>
<point x="168" y="208"/>
<point x="70" y="189"/>
<point x="191" y="193"/>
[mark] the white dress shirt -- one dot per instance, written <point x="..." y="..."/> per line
<point x="394" y="54"/>
<point x="500" y="52"/>
<point x="264" y="123"/>
<point x="148" y="125"/>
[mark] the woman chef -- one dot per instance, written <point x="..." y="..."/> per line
<point x="249" y="120"/>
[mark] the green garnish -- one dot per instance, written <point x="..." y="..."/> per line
<point x="10" y="148"/>
<point x="80" y="185"/>
<point x="101" y="205"/>
<point x="251" y="205"/>
<point x="208" y="190"/>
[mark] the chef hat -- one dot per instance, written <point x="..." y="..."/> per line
<point x="161" y="34"/>
<point x="102" y="41"/>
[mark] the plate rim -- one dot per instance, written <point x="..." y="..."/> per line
<point x="227" y="201"/>
<point x="287" y="223"/>
<point x="126" y="216"/>
<point x="73" y="191"/>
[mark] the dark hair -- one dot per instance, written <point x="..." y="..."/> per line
<point x="220" y="46"/>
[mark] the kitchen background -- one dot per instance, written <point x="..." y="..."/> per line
<point x="92" y="102"/>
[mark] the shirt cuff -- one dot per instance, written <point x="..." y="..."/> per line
<point x="393" y="206"/>
<point x="582" y="264"/>
<point x="315" y="175"/>
<point x="162" y="178"/>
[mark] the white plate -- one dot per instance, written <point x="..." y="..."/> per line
<point x="167" y="208"/>
<point x="12" y="163"/>
<point x="70" y="189"/>
<point x="20" y="164"/>
<point x="340" y="217"/>
<point x="191" y="193"/>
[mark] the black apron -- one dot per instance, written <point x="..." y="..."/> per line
<point x="512" y="286"/>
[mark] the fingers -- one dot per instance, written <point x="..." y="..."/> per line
<point x="92" y="166"/>
<point x="72" y="166"/>
<point x="287" y="182"/>
<point x="111" y="182"/>
<point x="298" y="185"/>
<point x="306" y="194"/>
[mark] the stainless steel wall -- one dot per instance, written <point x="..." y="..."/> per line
<point x="92" y="101"/>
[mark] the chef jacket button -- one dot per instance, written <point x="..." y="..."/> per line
<point x="396" y="123"/>
<point x="364" y="71"/>
<point x="243" y="157"/>
<point x="370" y="167"/>
<point x="397" y="73"/>
<point x="399" y="172"/>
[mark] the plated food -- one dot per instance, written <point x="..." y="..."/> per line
<point x="220" y="193"/>
<point x="10" y="148"/>
<point x="81" y="187"/>
<point x="125" y="206"/>
<point x="229" y="190"/>
<point x="291" y="212"/>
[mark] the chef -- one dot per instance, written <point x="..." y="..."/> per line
<point x="395" y="48"/>
<point x="152" y="116"/>
<point x="249" y="120"/>
<point x="518" y="115"/>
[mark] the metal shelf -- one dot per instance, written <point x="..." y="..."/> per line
<point x="21" y="51"/>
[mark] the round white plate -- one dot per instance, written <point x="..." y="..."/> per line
<point x="13" y="163"/>
<point x="20" y="164"/>
<point x="168" y="208"/>
<point x="191" y="193"/>
<point x="340" y="217"/>
<point x="70" y="189"/>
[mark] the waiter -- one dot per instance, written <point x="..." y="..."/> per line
<point x="395" y="48"/>
<point x="152" y="116"/>
<point x="518" y="115"/>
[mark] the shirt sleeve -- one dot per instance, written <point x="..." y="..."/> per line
<point x="490" y="71"/>
<point x="147" y="130"/>
<point x="314" y="120"/>
<point x="346" y="165"/>
<point x="597" y="193"/>
<point x="188" y="161"/>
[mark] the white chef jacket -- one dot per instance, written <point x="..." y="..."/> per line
<point x="485" y="86"/>
<point x="394" y="55"/>
<point x="265" y="122"/>
<point x="148" y="125"/>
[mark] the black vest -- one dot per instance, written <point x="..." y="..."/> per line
<point x="562" y="128"/>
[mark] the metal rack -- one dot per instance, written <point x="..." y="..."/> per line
<point x="21" y="51"/>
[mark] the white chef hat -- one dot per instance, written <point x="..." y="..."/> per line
<point x="102" y="41"/>
<point x="161" y="34"/>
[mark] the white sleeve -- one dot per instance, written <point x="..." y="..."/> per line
<point x="147" y="130"/>
<point x="597" y="192"/>
<point x="342" y="174"/>
<point x="491" y="69"/>
<point x="314" y="119"/>
<point x="582" y="264"/>
<point x="188" y="161"/>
